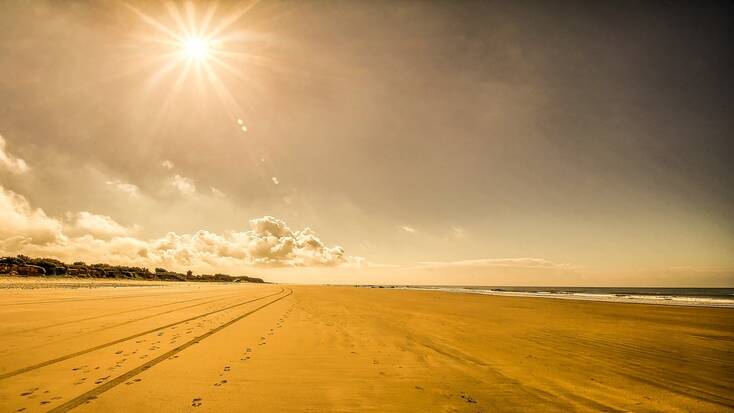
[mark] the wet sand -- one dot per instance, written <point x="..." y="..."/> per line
<point x="173" y="347"/>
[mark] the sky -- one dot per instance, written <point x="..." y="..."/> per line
<point x="466" y="143"/>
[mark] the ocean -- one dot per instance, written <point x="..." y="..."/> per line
<point x="708" y="297"/>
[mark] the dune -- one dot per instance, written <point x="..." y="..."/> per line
<point x="173" y="347"/>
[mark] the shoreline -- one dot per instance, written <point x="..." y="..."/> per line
<point x="666" y="300"/>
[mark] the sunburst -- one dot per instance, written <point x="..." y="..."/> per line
<point x="195" y="45"/>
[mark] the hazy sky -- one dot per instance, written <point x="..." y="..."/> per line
<point x="437" y="142"/>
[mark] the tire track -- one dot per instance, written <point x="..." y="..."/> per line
<point x="120" y="340"/>
<point x="122" y="323"/>
<point x="79" y="320"/>
<point x="94" y="393"/>
<point x="69" y="300"/>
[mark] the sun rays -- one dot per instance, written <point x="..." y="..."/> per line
<point x="200" y="46"/>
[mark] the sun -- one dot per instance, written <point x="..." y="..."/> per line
<point x="203" y="52"/>
<point x="196" y="48"/>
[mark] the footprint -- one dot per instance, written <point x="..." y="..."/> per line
<point x="196" y="402"/>
<point x="467" y="398"/>
<point x="220" y="383"/>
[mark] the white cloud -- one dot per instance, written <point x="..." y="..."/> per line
<point x="19" y="222"/>
<point x="125" y="187"/>
<point x="408" y="229"/>
<point x="216" y="192"/>
<point x="99" y="226"/>
<point x="11" y="163"/>
<point x="499" y="262"/>
<point x="458" y="232"/>
<point x="183" y="184"/>
<point x="88" y="236"/>
<point x="167" y="164"/>
<point x="275" y="180"/>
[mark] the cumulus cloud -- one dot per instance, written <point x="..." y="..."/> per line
<point x="125" y="187"/>
<point x="167" y="164"/>
<point x="268" y="242"/>
<point x="183" y="184"/>
<point x="408" y="229"/>
<point x="11" y="163"/>
<point x="21" y="223"/>
<point x="98" y="226"/>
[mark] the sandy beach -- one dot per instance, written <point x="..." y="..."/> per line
<point x="172" y="347"/>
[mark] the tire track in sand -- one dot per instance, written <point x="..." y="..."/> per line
<point x="123" y="339"/>
<point x="69" y="300"/>
<point x="79" y="320"/>
<point x="94" y="393"/>
<point x="122" y="323"/>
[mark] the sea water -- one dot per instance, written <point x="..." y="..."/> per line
<point x="709" y="297"/>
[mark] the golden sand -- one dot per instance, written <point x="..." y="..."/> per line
<point x="176" y="347"/>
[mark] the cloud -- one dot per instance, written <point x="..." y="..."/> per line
<point x="183" y="184"/>
<point x="490" y="271"/>
<point x="11" y="163"/>
<point x="499" y="262"/>
<point x="408" y="229"/>
<point x="269" y="242"/>
<point x="275" y="180"/>
<point x="99" y="226"/>
<point x="21" y="223"/>
<point x="125" y="187"/>
<point x="167" y="164"/>
<point x="216" y="192"/>
<point x="458" y="232"/>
